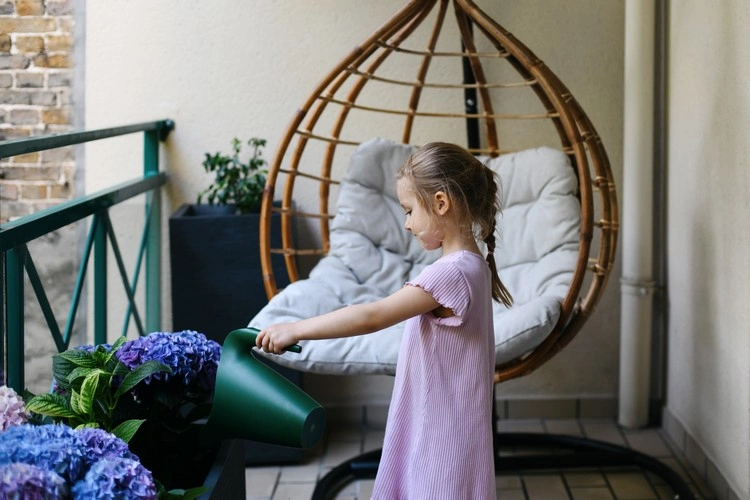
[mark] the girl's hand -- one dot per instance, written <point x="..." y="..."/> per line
<point x="276" y="338"/>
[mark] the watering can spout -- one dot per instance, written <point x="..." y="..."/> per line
<point x="254" y="402"/>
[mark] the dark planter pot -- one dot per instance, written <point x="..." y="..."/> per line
<point x="226" y="477"/>
<point x="217" y="286"/>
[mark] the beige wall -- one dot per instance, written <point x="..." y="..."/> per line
<point x="709" y="246"/>
<point x="222" y="69"/>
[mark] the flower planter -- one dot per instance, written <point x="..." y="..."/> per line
<point x="226" y="477"/>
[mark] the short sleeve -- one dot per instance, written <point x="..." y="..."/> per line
<point x="448" y="286"/>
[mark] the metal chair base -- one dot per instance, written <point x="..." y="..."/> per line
<point x="572" y="452"/>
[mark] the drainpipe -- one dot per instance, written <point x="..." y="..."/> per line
<point x="637" y="283"/>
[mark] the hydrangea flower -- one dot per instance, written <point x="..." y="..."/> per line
<point x="192" y="357"/>
<point x="12" y="411"/>
<point x="58" y="448"/>
<point x="115" y="478"/>
<point x="24" y="481"/>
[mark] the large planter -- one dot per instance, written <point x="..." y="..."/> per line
<point x="225" y="479"/>
<point x="217" y="287"/>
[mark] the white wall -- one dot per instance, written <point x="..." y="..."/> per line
<point x="225" y="68"/>
<point x="709" y="245"/>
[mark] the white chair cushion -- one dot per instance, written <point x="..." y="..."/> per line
<point x="372" y="255"/>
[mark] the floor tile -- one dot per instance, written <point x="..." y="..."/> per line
<point x="648" y="441"/>
<point x="545" y="486"/>
<point x="300" y="473"/>
<point x="603" y="430"/>
<point x="261" y="481"/>
<point x="585" y="479"/>
<point x="294" y="491"/>
<point x="631" y="486"/>
<point x="588" y="493"/>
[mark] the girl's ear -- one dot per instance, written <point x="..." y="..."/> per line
<point x="441" y="203"/>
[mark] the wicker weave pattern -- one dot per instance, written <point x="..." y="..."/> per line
<point x="413" y="64"/>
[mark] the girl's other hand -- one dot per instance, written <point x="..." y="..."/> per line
<point x="276" y="338"/>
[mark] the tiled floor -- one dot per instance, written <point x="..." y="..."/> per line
<point x="297" y="482"/>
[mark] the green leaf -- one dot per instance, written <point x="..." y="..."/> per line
<point x="127" y="429"/>
<point x="52" y="405"/>
<point x="115" y="347"/>
<point x="88" y="393"/>
<point x="78" y="357"/>
<point x="120" y="369"/>
<point x="61" y="367"/>
<point x="88" y="425"/>
<point x="133" y="378"/>
<point x="75" y="402"/>
<point x="82" y="371"/>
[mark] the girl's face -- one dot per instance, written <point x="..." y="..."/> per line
<point x="419" y="221"/>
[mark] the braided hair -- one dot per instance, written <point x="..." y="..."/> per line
<point x="473" y="189"/>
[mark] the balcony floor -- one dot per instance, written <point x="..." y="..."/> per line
<point x="297" y="482"/>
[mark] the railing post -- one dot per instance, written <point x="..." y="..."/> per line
<point x="14" y="261"/>
<point x="100" y="279"/>
<point x="153" y="239"/>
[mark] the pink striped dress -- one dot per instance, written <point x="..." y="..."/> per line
<point x="438" y="438"/>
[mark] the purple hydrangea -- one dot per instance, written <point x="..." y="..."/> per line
<point x="58" y="448"/>
<point x="12" y="410"/>
<point x="50" y="447"/>
<point x="114" y="478"/>
<point x="192" y="357"/>
<point x="100" y="443"/>
<point x="24" y="481"/>
<point x="91" y="348"/>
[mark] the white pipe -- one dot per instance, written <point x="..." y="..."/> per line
<point x="637" y="217"/>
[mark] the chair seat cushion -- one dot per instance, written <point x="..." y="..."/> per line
<point x="372" y="255"/>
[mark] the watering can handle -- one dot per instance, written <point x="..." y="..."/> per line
<point x="253" y="333"/>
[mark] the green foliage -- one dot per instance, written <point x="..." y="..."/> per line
<point x="90" y="390"/>
<point x="235" y="182"/>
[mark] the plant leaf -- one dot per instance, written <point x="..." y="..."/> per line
<point x="78" y="357"/>
<point x="61" y="367"/>
<point x="88" y="393"/>
<point x="82" y="371"/>
<point x="88" y="425"/>
<point x="133" y="378"/>
<point x="127" y="429"/>
<point x="75" y="402"/>
<point x="115" y="347"/>
<point x="52" y="405"/>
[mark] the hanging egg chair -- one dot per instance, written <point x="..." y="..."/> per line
<point x="438" y="70"/>
<point x="422" y="92"/>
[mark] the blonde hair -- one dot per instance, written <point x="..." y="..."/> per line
<point x="472" y="188"/>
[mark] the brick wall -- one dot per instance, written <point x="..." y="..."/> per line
<point x="36" y="78"/>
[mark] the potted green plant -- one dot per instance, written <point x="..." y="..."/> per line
<point x="217" y="281"/>
<point x="237" y="185"/>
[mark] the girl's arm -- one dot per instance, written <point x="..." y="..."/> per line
<point x="356" y="319"/>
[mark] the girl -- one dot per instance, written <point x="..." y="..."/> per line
<point x="438" y="438"/>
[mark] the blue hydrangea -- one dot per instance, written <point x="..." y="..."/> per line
<point x="58" y="448"/>
<point x="26" y="482"/>
<point x="116" y="478"/>
<point x="100" y="443"/>
<point x="51" y="447"/>
<point x="193" y="358"/>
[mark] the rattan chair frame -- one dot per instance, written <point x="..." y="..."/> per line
<point x="577" y="136"/>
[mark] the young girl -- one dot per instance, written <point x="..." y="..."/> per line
<point x="438" y="438"/>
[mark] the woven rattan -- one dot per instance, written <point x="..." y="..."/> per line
<point x="414" y="64"/>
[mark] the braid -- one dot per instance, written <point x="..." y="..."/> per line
<point x="499" y="292"/>
<point x="493" y="208"/>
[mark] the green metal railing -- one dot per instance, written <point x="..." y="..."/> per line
<point x="16" y="261"/>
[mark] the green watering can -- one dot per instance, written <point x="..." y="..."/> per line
<point x="252" y="401"/>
